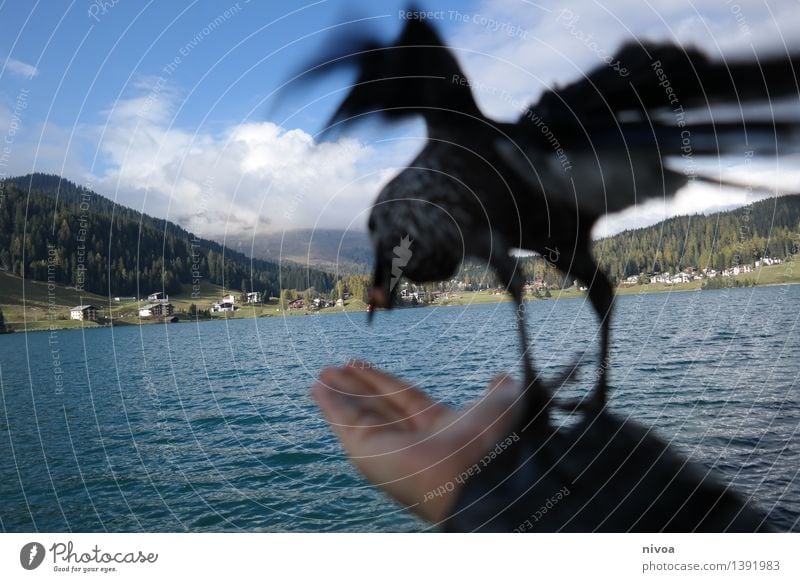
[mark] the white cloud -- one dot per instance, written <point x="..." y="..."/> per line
<point x="249" y="176"/>
<point x="20" y="68"/>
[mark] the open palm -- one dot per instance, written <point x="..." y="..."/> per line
<point x="405" y="442"/>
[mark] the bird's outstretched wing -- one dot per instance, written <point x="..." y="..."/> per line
<point x="615" y="127"/>
<point x="647" y="78"/>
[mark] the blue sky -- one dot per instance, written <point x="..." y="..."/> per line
<point x="87" y="57"/>
<point x="84" y="92"/>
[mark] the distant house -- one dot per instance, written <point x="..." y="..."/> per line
<point x="158" y="296"/>
<point x="765" y="261"/>
<point x="227" y="303"/>
<point x="297" y="304"/>
<point x="320" y="303"/>
<point x="156" y="310"/>
<point x="253" y="297"/>
<point x="738" y="269"/>
<point x="163" y="310"/>
<point x="661" y="278"/>
<point x="680" y="278"/>
<point x="83" y="313"/>
<point x="222" y="306"/>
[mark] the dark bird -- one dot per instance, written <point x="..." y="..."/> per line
<point x="480" y="189"/>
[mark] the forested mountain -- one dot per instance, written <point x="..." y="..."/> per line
<point x="769" y="227"/>
<point x="338" y="251"/>
<point x="106" y="248"/>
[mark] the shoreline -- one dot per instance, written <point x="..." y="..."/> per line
<point x="13" y="329"/>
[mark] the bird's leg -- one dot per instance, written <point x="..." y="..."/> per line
<point x="537" y="397"/>
<point x="601" y="295"/>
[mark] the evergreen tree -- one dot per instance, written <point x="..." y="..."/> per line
<point x="286" y="298"/>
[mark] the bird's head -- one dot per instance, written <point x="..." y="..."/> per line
<point x="415" y="75"/>
<point x="410" y="247"/>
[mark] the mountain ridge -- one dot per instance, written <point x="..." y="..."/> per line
<point x="54" y="230"/>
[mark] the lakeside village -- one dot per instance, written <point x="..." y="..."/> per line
<point x="158" y="307"/>
<point x="693" y="274"/>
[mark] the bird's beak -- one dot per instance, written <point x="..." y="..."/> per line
<point x="378" y="297"/>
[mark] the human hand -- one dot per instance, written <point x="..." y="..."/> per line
<point x="406" y="443"/>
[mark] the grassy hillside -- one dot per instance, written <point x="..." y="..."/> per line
<point x="29" y="305"/>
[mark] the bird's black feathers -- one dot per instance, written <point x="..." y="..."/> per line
<point x="665" y="76"/>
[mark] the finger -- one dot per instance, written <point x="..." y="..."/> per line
<point x="364" y="395"/>
<point x="337" y="408"/>
<point x="349" y="421"/>
<point x="405" y="397"/>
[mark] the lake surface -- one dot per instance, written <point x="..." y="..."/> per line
<point x="209" y="427"/>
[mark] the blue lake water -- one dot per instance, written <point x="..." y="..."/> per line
<point x="209" y="427"/>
